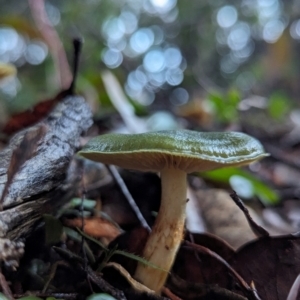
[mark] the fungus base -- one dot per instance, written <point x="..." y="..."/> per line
<point x="166" y="236"/>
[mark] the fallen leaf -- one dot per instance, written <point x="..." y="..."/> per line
<point x="96" y="227"/>
<point x="31" y="116"/>
<point x="271" y="263"/>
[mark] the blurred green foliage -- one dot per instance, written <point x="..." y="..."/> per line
<point x="254" y="186"/>
<point x="244" y="47"/>
<point x="279" y="105"/>
<point x="225" y="105"/>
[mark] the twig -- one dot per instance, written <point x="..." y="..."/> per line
<point x="134" y="125"/>
<point x="77" y="44"/>
<point x="83" y="197"/>
<point x="78" y="262"/>
<point x="257" y="230"/>
<point x="83" y="249"/>
<point x="51" y="37"/>
<point x="169" y="294"/>
<point x="190" y="290"/>
<point x="69" y="296"/>
<point x="121" y="103"/>
<point x="251" y="293"/>
<point x="4" y="286"/>
<point x="115" y="174"/>
<point x="105" y="286"/>
<point x="52" y="273"/>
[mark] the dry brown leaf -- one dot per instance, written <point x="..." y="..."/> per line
<point x="96" y="227"/>
<point x="223" y="218"/>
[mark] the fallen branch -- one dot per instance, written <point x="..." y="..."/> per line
<point x="47" y="179"/>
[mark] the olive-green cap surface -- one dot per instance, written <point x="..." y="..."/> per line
<point x="187" y="150"/>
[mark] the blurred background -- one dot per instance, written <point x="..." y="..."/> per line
<point x="198" y="58"/>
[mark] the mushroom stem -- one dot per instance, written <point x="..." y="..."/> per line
<point x="166" y="235"/>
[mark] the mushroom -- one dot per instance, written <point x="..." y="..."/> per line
<point x="173" y="153"/>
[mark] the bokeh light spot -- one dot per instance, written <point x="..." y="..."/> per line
<point x="154" y="61"/>
<point x="163" y="6"/>
<point x="157" y="79"/>
<point x="10" y="86"/>
<point x="239" y="36"/>
<point x="227" y="16"/>
<point x="36" y="52"/>
<point x="272" y="31"/>
<point x="53" y="13"/>
<point x="130" y="21"/>
<point x="142" y="40"/>
<point x="158" y="34"/>
<point x="173" y="57"/>
<point x="8" y="39"/>
<point x="227" y="65"/>
<point x="179" y="96"/>
<point x="174" y="76"/>
<point x="295" y="30"/>
<point x="113" y="29"/>
<point x="112" y="58"/>
<point x="242" y="186"/>
<point x="245" y="81"/>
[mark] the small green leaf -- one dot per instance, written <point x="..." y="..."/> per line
<point x="100" y="297"/>
<point x="73" y="234"/>
<point x="92" y="240"/>
<point x="86" y="203"/>
<point x="111" y="252"/>
<point x="217" y="100"/>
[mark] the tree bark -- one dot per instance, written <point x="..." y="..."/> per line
<point x="48" y="178"/>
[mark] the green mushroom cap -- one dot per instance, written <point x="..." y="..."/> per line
<point x="186" y="150"/>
